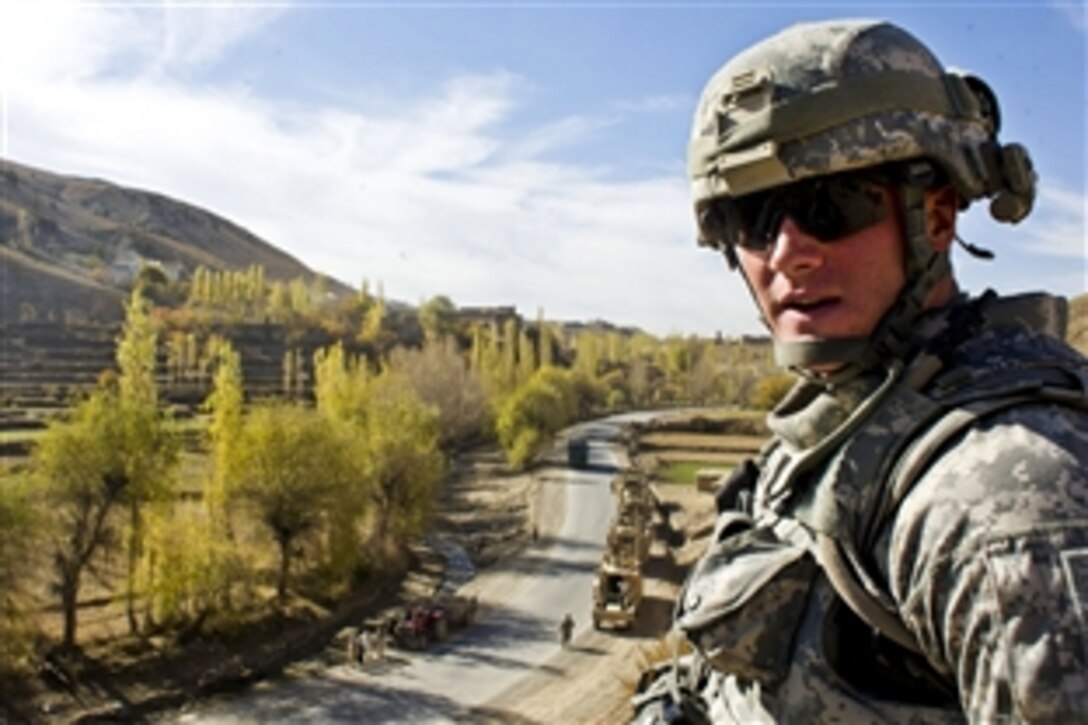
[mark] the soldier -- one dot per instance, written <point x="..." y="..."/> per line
<point x="566" y="629"/>
<point x="912" y="545"/>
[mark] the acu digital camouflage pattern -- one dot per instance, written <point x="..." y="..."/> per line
<point x="983" y="555"/>
<point x="935" y="115"/>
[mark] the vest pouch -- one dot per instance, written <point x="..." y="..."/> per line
<point x="744" y="600"/>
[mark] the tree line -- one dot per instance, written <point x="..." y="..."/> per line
<point x="306" y="497"/>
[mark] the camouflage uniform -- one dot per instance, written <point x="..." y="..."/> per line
<point x="985" y="558"/>
<point x="912" y="546"/>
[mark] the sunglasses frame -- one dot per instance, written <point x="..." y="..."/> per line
<point x="827" y="208"/>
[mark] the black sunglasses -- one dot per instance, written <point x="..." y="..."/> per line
<point x="827" y="208"/>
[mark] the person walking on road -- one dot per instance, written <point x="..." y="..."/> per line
<point x="566" y="629"/>
<point x="364" y="645"/>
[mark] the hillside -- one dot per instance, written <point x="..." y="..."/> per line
<point x="70" y="245"/>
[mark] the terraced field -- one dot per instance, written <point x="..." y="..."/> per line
<point x="676" y="448"/>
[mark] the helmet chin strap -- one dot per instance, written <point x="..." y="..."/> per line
<point x="891" y="338"/>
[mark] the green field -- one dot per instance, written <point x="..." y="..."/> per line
<point x="685" y="471"/>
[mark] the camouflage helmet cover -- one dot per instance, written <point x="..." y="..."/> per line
<point x="841" y="95"/>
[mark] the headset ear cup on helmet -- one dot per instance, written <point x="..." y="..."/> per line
<point x="1016" y="196"/>
<point x="1010" y="174"/>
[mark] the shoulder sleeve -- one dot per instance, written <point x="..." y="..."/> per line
<point x="987" y="559"/>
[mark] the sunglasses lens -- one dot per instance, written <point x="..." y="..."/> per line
<point x="818" y="215"/>
<point x="828" y="209"/>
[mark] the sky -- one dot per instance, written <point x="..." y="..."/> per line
<point x="500" y="153"/>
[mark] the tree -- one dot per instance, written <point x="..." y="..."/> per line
<point x="544" y="336"/>
<point x="193" y="561"/>
<point x="293" y="376"/>
<point x="291" y="466"/>
<point x="702" y="379"/>
<point x="201" y="571"/>
<point x="403" y="461"/>
<point x="301" y="298"/>
<point x="82" y="479"/>
<point x="278" y="304"/>
<point x="441" y="377"/>
<point x="437" y="317"/>
<point x="225" y="403"/>
<point x="18" y="540"/>
<point x="534" y="413"/>
<point x="340" y="384"/>
<point x="148" y="452"/>
<point x="587" y="352"/>
<point x="526" y="357"/>
<point x="395" y="435"/>
<point x="373" y="322"/>
<point x="136" y="353"/>
<point x="156" y="286"/>
<point x="494" y="361"/>
<point x="771" y="389"/>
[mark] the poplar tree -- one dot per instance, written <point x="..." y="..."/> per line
<point x="225" y="404"/>
<point x="149" y="452"/>
<point x="19" y="533"/>
<point x="197" y="561"/>
<point x="403" y="461"/>
<point x="373" y="322"/>
<point x="340" y="384"/>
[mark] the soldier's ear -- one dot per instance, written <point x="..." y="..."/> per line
<point x="942" y="207"/>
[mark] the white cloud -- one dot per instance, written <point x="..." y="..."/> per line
<point x="557" y="134"/>
<point x="70" y="41"/>
<point x="198" y="34"/>
<point x="1047" y="250"/>
<point x="1061" y="228"/>
<point x="1074" y="11"/>
<point x="657" y="104"/>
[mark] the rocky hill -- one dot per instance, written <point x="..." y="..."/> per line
<point x="70" y="246"/>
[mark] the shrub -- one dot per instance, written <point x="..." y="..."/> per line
<point x="771" y="389"/>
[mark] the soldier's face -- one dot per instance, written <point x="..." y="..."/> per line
<point x="813" y="290"/>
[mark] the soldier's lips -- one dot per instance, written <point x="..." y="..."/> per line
<point x="806" y="305"/>
<point x="806" y="311"/>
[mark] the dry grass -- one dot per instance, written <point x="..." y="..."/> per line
<point x="650" y="655"/>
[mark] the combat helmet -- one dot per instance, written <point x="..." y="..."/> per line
<point x="825" y="98"/>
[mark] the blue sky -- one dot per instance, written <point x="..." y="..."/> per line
<point x="499" y="153"/>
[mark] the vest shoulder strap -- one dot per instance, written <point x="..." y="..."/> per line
<point x="854" y="586"/>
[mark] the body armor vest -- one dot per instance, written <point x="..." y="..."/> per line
<point x="832" y="479"/>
